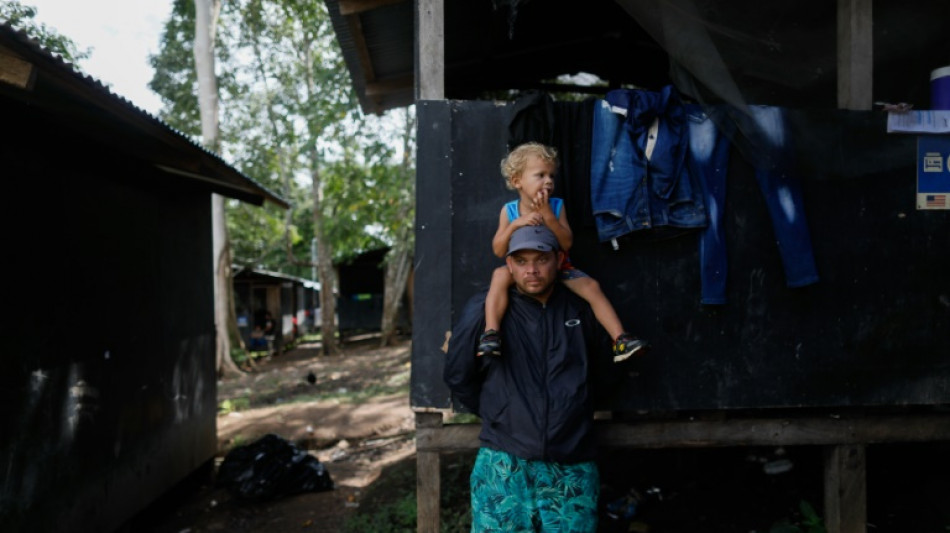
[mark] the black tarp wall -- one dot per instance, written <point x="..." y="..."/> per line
<point x="875" y="331"/>
<point x="107" y="398"/>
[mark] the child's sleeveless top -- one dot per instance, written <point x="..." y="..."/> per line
<point x="512" y="208"/>
<point x="567" y="270"/>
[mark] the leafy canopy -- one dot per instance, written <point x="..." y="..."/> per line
<point x="22" y="17"/>
<point x="288" y="115"/>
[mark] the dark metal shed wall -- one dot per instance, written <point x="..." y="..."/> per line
<point x="875" y="331"/>
<point x="361" y="282"/>
<point x="360" y="301"/>
<point x="108" y="398"/>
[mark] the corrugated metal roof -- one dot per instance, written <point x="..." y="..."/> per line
<point x="240" y="271"/>
<point x="58" y="87"/>
<point x="377" y="47"/>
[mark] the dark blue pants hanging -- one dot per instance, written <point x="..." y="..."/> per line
<point x="767" y="146"/>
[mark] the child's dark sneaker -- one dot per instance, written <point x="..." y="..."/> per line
<point x="489" y="344"/>
<point x="627" y="345"/>
<point x="625" y="508"/>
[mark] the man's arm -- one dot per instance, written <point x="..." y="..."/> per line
<point x="463" y="370"/>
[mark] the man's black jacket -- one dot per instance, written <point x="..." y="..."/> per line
<point x="535" y="400"/>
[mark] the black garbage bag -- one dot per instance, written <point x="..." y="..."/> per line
<point x="270" y="468"/>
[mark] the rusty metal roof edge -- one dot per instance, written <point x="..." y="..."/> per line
<point x="32" y="47"/>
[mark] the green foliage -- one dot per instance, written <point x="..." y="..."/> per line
<point x="464" y="418"/>
<point x="811" y="522"/>
<point x="389" y="507"/>
<point x="288" y="114"/>
<point x="234" y="404"/>
<point x="808" y="522"/>
<point x="238" y="355"/>
<point x="256" y="233"/>
<point x="394" y="517"/>
<point x="22" y="17"/>
<point x="175" y="79"/>
<point x="367" y="198"/>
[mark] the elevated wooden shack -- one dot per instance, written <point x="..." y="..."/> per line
<point x="857" y="359"/>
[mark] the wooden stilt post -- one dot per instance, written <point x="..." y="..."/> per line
<point x="429" y="85"/>
<point x="845" y="489"/>
<point x="855" y="54"/>
<point x="428" y="478"/>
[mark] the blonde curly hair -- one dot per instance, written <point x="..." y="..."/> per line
<point x="516" y="161"/>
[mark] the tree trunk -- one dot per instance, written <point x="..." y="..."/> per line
<point x="325" y="272"/>
<point x="206" y="16"/>
<point x="324" y="269"/>
<point x="398" y="266"/>
<point x="224" y="313"/>
<point x="399" y="258"/>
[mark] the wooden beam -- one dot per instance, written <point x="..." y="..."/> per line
<point x="453" y="437"/>
<point x="855" y="54"/>
<point x="384" y="87"/>
<point x="846" y="489"/>
<point x="15" y="70"/>
<point x="846" y="438"/>
<point x="428" y="478"/>
<point x="777" y="431"/>
<point x="355" y="7"/>
<point x="730" y="432"/>
<point x="430" y="49"/>
<point x="362" y="50"/>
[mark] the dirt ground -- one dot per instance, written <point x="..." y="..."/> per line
<point x="354" y="417"/>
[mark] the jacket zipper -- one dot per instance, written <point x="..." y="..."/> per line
<point x="544" y="358"/>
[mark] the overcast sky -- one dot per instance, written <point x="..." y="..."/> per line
<point x="122" y="34"/>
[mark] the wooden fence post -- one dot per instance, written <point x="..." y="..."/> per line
<point x="845" y="489"/>
<point x="428" y="478"/>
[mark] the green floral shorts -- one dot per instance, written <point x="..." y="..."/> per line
<point x="514" y="494"/>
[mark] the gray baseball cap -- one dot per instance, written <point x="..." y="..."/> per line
<point x="538" y="238"/>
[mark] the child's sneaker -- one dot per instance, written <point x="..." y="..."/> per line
<point x="624" y="508"/>
<point x="489" y="344"/>
<point x="627" y="345"/>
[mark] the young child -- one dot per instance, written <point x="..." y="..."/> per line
<point x="529" y="169"/>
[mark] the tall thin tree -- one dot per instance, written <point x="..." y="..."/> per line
<point x="206" y="19"/>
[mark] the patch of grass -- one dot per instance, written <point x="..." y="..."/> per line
<point x="389" y="505"/>
<point x="464" y="418"/>
<point x="808" y="522"/>
<point x="237" y="441"/>
<point x="273" y="390"/>
<point x="239" y="356"/>
<point x="234" y="404"/>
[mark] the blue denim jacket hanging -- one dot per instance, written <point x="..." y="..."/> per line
<point x="629" y="190"/>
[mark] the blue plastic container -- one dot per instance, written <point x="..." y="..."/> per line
<point x="940" y="88"/>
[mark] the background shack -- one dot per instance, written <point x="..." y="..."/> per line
<point x="108" y="394"/>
